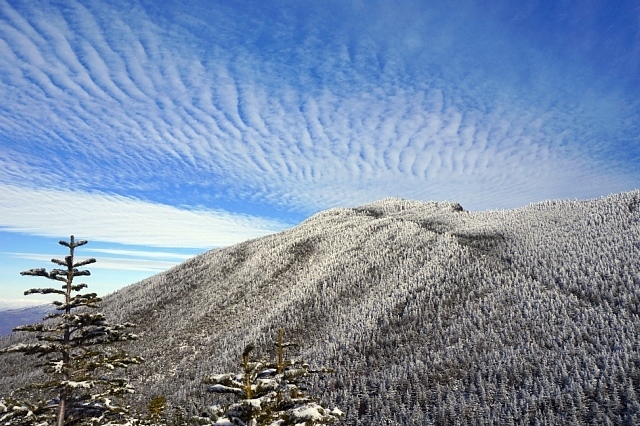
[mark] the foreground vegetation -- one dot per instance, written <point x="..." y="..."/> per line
<point x="79" y="385"/>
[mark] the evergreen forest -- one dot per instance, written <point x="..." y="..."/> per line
<point x="422" y="312"/>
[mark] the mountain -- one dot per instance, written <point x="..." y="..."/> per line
<point x="10" y="318"/>
<point x="429" y="313"/>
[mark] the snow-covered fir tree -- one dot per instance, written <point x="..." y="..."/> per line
<point x="270" y="393"/>
<point x="73" y="346"/>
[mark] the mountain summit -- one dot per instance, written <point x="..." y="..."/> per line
<point x="429" y="313"/>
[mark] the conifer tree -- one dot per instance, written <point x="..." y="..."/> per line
<point x="155" y="409"/>
<point x="73" y="346"/>
<point x="269" y="393"/>
<point x="156" y="415"/>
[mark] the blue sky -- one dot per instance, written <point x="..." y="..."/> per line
<point x="158" y="130"/>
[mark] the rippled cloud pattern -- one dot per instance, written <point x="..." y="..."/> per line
<point x="282" y="109"/>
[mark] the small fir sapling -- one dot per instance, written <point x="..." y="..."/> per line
<point x="269" y="393"/>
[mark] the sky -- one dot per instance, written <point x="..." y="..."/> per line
<point x="160" y="130"/>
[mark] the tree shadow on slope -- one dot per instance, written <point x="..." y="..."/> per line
<point x="481" y="242"/>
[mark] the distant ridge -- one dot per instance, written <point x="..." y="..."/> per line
<point x="429" y="313"/>
<point x="13" y="317"/>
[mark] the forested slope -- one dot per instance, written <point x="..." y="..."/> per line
<point x="428" y="313"/>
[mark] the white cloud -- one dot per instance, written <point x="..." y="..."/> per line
<point x="141" y="253"/>
<point x="399" y="106"/>
<point x="111" y="218"/>
<point x="6" y="304"/>
<point x="113" y="263"/>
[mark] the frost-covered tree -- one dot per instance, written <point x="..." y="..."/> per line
<point x="269" y="393"/>
<point x="74" y="346"/>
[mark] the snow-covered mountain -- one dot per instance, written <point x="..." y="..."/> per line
<point x="429" y="313"/>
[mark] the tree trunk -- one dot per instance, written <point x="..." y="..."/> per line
<point x="62" y="408"/>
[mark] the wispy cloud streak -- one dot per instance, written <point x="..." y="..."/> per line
<point x="112" y="263"/>
<point x="113" y="218"/>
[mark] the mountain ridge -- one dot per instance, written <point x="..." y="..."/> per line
<point x="429" y="313"/>
<point x="12" y="317"/>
